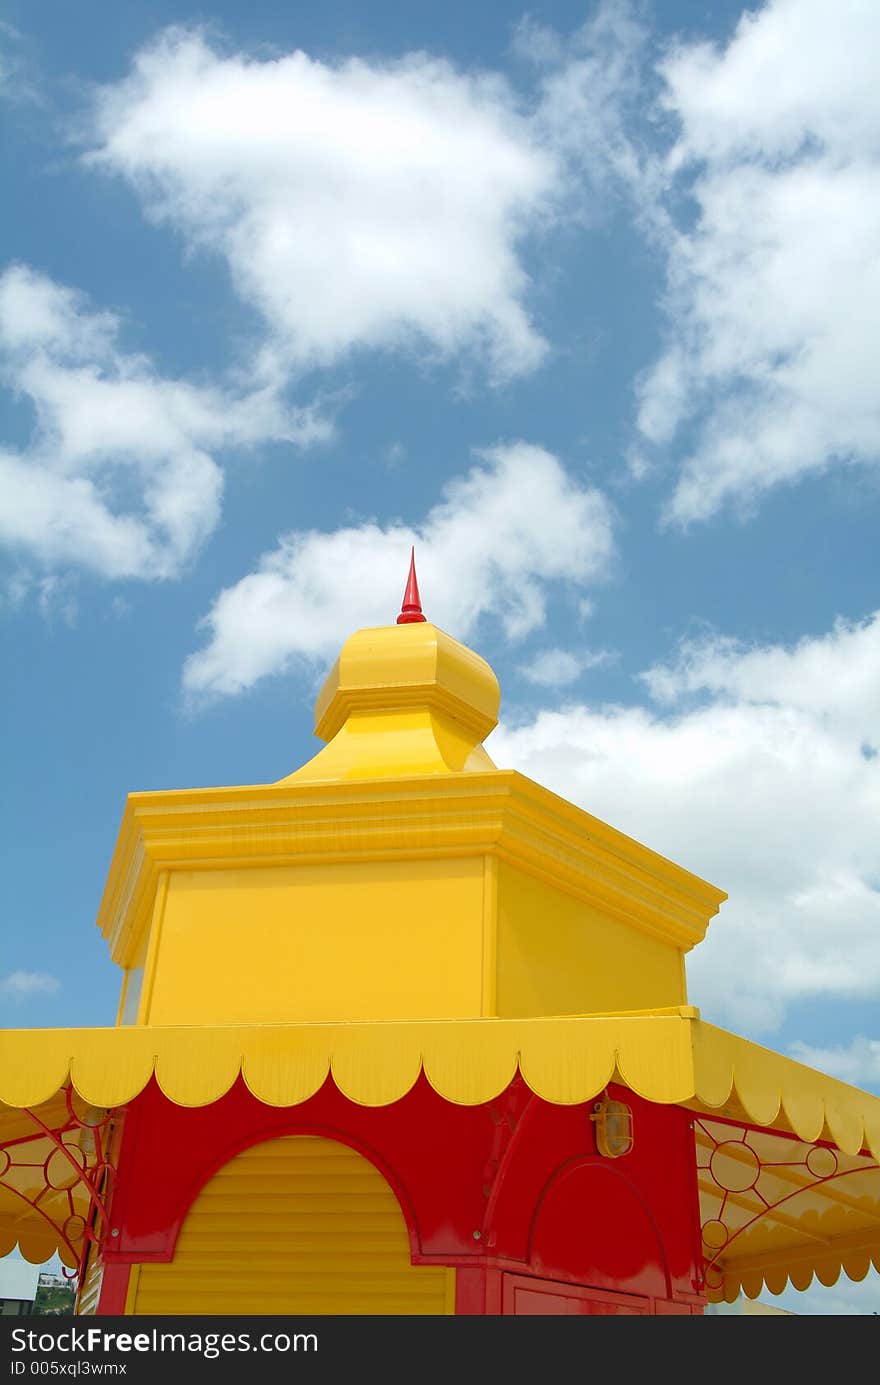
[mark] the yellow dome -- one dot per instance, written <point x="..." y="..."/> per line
<point x="403" y="699"/>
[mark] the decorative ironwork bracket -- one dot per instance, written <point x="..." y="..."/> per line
<point x="735" y="1168"/>
<point x="73" y="1167"/>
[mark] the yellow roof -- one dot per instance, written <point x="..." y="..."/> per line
<point x="758" y="1113"/>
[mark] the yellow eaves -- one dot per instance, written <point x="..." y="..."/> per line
<point x="666" y="1056"/>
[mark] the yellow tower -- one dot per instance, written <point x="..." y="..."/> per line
<point x="397" y="875"/>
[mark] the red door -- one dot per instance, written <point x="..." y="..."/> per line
<point x="523" y="1295"/>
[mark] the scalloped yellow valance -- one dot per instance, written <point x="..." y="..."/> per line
<point x="664" y="1056"/>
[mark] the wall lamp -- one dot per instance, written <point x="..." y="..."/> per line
<point x="614" y="1127"/>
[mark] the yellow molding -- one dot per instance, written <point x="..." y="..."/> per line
<point x="415" y="696"/>
<point x="396" y="666"/>
<point x="489" y="1001"/>
<point x="499" y="812"/>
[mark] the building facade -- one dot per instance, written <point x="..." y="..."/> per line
<point x="407" y="1033"/>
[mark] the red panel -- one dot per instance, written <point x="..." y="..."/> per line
<point x="431" y="1152"/>
<point x="470" y="1291"/>
<point x="660" y="1178"/>
<point x="510" y="1186"/>
<point x="114" y="1290"/>
<point x="528" y="1297"/>
<point x="593" y="1223"/>
<point x="532" y="1303"/>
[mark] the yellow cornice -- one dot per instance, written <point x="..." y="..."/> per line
<point x="497" y="812"/>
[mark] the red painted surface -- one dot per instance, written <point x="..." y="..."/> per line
<point x="411" y="610"/>
<point x="114" y="1289"/>
<point x="526" y="1296"/>
<point x="593" y="1224"/>
<point x="431" y="1152"/>
<point x="512" y="1187"/>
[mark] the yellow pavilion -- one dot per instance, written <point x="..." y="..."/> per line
<point x="404" y="1032"/>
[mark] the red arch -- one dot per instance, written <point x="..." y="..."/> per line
<point x="609" y="1224"/>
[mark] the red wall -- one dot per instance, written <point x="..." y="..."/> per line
<point x="508" y="1189"/>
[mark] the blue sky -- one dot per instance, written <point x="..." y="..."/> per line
<point x="582" y="301"/>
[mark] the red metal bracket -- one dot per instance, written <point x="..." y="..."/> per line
<point x="72" y="1166"/>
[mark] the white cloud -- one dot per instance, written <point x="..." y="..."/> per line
<point x="22" y="984"/>
<point x="356" y="204"/>
<point x="120" y="476"/>
<point x="773" y="289"/>
<point x="857" y="1062"/>
<point x="839" y="672"/>
<point x="591" y="85"/>
<point x="54" y="598"/>
<point x="556" y="668"/>
<point x="514" y="524"/>
<point x="760" y="775"/>
<point x="788" y="74"/>
<point x="552" y="668"/>
<point x="16" y="85"/>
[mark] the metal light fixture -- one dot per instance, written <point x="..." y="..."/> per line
<point x="614" y="1128"/>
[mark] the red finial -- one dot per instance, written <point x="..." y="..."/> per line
<point x="411" y="611"/>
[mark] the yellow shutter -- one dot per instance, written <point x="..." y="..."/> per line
<point x="295" y="1225"/>
<point x="90" y="1289"/>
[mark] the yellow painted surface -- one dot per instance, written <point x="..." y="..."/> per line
<point x="668" y="1057"/>
<point x="132" y="994"/>
<point x="395" y="940"/>
<point x="489" y="1004"/>
<point x="403" y="699"/>
<point x="298" y="1225"/>
<point x="89" y="1291"/>
<point x="134" y="1276"/>
<point x="559" y="955"/>
<point x="499" y="816"/>
<point x="150" y="947"/>
<point x="412" y="663"/>
<point x="27" y="1155"/>
<point x="419" y="741"/>
<point x="770" y="1221"/>
<point x="396" y="906"/>
<point x="404" y="774"/>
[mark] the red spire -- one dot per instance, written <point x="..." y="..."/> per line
<point x="411" y="610"/>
